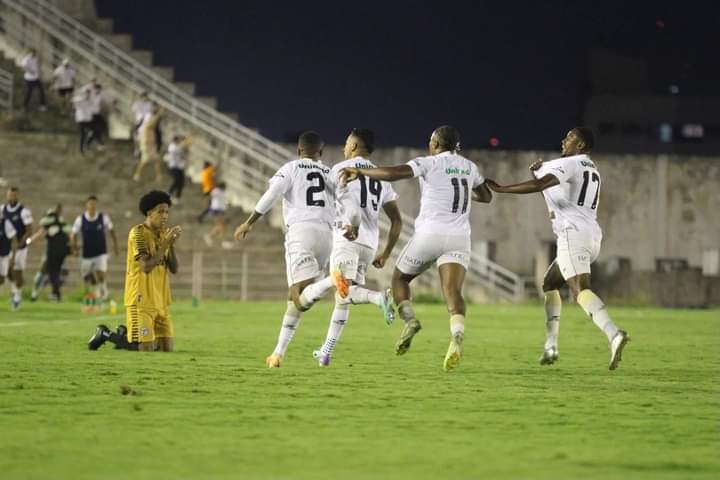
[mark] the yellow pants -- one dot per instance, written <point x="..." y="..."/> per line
<point x="145" y="325"/>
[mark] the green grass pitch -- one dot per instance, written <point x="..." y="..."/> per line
<point x="212" y="409"/>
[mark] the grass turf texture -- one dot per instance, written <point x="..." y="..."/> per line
<point x="212" y="409"/>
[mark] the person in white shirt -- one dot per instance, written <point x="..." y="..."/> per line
<point x="140" y="108"/>
<point x="8" y="245"/>
<point x="100" y="101"/>
<point x="177" y="161"/>
<point x="22" y="221"/>
<point x="84" y="108"/>
<point x="31" y="73"/>
<point x="91" y="227"/>
<point x="217" y="210"/>
<point x="356" y="238"/>
<point x="64" y="82"/>
<point x="448" y="182"/>
<point x="571" y="188"/>
<point x="309" y="213"/>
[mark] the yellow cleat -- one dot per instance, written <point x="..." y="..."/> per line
<point x="454" y="353"/>
<point x="341" y="283"/>
<point x="410" y="329"/>
<point x="273" y="361"/>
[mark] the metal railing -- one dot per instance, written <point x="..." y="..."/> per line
<point x="6" y="90"/>
<point x="248" y="158"/>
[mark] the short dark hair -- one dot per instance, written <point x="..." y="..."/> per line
<point x="367" y="137"/>
<point x="152" y="199"/>
<point x="91" y="197"/>
<point x="222" y="185"/>
<point x="448" y="137"/>
<point x="13" y="188"/>
<point x="310" y="140"/>
<point x="586" y="135"/>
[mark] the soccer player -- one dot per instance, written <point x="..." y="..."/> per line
<point x="54" y="229"/>
<point x="308" y="212"/>
<point x="93" y="226"/>
<point x="22" y="221"/>
<point x="571" y="187"/>
<point x="8" y="245"/>
<point x="442" y="231"/>
<point x="150" y="260"/>
<point x="356" y="235"/>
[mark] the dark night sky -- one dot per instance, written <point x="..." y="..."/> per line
<point x="515" y="70"/>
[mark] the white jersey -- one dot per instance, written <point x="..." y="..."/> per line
<point x="64" y="77"/>
<point x="307" y="193"/>
<point x="366" y="196"/>
<point x="573" y="203"/>
<point x="218" y="202"/>
<point x="446" y="184"/>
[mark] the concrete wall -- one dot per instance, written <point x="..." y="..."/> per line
<point x="650" y="206"/>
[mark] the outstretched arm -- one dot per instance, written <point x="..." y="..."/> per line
<point x="266" y="202"/>
<point x="482" y="193"/>
<point x="388" y="174"/>
<point x="531" y="186"/>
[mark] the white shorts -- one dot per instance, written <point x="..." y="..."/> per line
<point x="307" y="251"/>
<point x="4" y="265"/>
<point x="576" y="251"/>
<point x="425" y="248"/>
<point x="93" y="264"/>
<point x="20" y="259"/>
<point x="352" y="259"/>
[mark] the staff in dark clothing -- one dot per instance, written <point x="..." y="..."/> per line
<point x="56" y="231"/>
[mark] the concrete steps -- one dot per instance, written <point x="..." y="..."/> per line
<point x="49" y="170"/>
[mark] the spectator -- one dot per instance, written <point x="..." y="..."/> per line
<point x="207" y="182"/>
<point x="64" y="82"/>
<point x="140" y="107"/>
<point x="31" y="68"/>
<point x="84" y="107"/>
<point x="56" y="231"/>
<point x="177" y="158"/>
<point x="148" y="149"/>
<point x="218" y="207"/>
<point x="100" y="102"/>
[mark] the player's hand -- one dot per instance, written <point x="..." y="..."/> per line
<point x="492" y="185"/>
<point x="536" y="164"/>
<point x="379" y="261"/>
<point x="348" y="174"/>
<point x="172" y="235"/>
<point x="350" y="232"/>
<point x="242" y="231"/>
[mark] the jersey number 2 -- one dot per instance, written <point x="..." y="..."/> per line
<point x="583" y="190"/>
<point x="456" y="196"/>
<point x="319" y="188"/>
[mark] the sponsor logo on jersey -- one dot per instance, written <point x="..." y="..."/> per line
<point x="587" y="163"/>
<point x="363" y="165"/>
<point x="457" y="171"/>
<point x="310" y="166"/>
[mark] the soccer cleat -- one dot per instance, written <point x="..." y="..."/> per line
<point x="273" y="361"/>
<point x="409" y="330"/>
<point x="550" y="355"/>
<point x="617" y="344"/>
<point x="341" y="284"/>
<point x="102" y="334"/>
<point x="324" y="360"/>
<point x="387" y="307"/>
<point x="34" y="296"/>
<point x="15" y="303"/>
<point x="455" y="350"/>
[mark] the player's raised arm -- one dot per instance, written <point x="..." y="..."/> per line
<point x="531" y="186"/>
<point x="388" y="174"/>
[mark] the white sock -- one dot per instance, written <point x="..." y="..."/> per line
<point x="15" y="291"/>
<point x="290" y="323"/>
<point x="359" y="295"/>
<point x="406" y="311"/>
<point x="457" y="324"/>
<point x="553" y="307"/>
<point x="315" y="291"/>
<point x="103" y="290"/>
<point x="595" y="309"/>
<point x="337" y="323"/>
